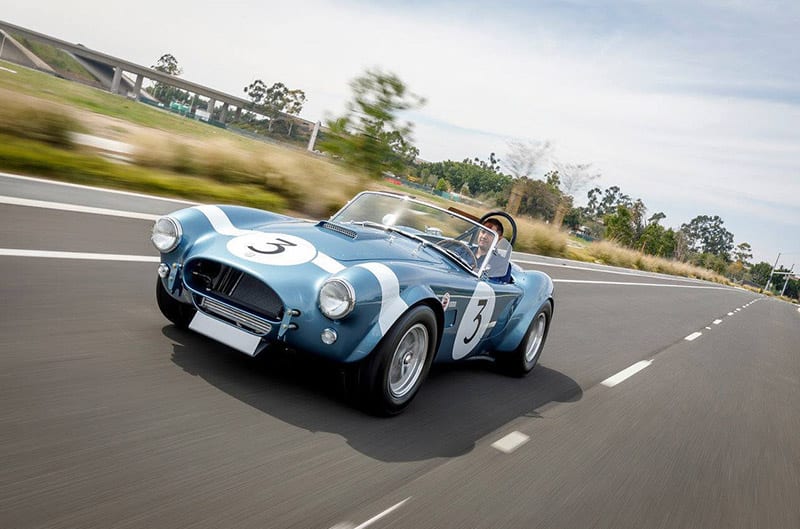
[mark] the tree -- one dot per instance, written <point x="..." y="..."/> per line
<point x="575" y="177"/>
<point x="370" y="134"/>
<point x="602" y="203"/>
<point x="743" y="253"/>
<point x="620" y="227"/>
<point x="759" y="273"/>
<point x="167" y="63"/>
<point x="523" y="158"/>
<point x="706" y="234"/>
<point x="274" y="101"/>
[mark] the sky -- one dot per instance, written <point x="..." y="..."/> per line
<point x="692" y="106"/>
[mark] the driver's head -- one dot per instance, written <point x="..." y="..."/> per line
<point x="485" y="238"/>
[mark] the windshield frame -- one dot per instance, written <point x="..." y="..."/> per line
<point x="391" y="228"/>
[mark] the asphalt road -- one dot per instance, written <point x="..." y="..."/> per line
<point x="112" y="418"/>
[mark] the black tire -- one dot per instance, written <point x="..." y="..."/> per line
<point x="523" y="359"/>
<point x="180" y="314"/>
<point x="388" y="379"/>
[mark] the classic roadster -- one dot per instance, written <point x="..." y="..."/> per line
<point x="386" y="286"/>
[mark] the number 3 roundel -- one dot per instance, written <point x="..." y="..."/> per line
<point x="272" y="248"/>
<point x="475" y="321"/>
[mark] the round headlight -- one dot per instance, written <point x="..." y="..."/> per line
<point x="336" y="299"/>
<point x="166" y="234"/>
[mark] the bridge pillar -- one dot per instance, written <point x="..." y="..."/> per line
<point x="211" y="104"/>
<point x="238" y="114"/>
<point x="313" y="138"/>
<point x="137" y="88"/>
<point x="115" y="82"/>
<point x="224" y="113"/>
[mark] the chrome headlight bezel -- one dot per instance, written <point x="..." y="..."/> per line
<point x="167" y="234"/>
<point x="336" y="299"/>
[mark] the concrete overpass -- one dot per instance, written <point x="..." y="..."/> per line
<point x="141" y="73"/>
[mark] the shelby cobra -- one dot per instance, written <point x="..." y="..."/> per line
<point x="386" y="287"/>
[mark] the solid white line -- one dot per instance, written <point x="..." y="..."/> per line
<point x="103" y="189"/>
<point x="626" y="373"/>
<point x="693" y="336"/>
<point x="72" y="207"/>
<point x="586" y="281"/>
<point x="13" y="252"/>
<point x="381" y="515"/>
<point x="717" y="322"/>
<point x="510" y="442"/>
<point x="606" y="271"/>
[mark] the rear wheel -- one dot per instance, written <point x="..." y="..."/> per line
<point x="523" y="359"/>
<point x="180" y="314"/>
<point x="389" y="378"/>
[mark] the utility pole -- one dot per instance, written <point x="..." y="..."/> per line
<point x="771" y="272"/>
<point x="791" y="271"/>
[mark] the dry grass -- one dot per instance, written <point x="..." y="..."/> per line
<point x="609" y="253"/>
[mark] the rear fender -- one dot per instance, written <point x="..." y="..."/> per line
<point x="538" y="290"/>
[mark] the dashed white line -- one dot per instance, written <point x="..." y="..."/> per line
<point x="373" y="519"/>
<point x="730" y="314"/>
<point x="693" y="336"/>
<point x="13" y="252"/>
<point x="626" y="373"/>
<point x="510" y="442"/>
<point x="717" y="322"/>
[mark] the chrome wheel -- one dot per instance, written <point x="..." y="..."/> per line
<point x="535" y="337"/>
<point x="408" y="361"/>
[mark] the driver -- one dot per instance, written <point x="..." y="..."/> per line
<point x="485" y="239"/>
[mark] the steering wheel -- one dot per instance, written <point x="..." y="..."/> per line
<point x="461" y="250"/>
<point x="506" y="216"/>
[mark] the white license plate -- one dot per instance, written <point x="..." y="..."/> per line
<point x="224" y="333"/>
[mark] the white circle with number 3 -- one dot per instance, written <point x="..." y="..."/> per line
<point x="476" y="319"/>
<point x="272" y="248"/>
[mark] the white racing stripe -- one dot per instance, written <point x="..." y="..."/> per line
<point x="392" y="305"/>
<point x="13" y="252"/>
<point x="77" y="209"/>
<point x="612" y="381"/>
<point x="220" y="221"/>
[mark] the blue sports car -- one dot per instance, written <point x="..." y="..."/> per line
<point x="386" y="286"/>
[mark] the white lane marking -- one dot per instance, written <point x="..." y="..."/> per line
<point x="730" y="314"/>
<point x="510" y="442"/>
<point x="13" y="252"/>
<point x="717" y="322"/>
<point x="626" y="373"/>
<point x="78" y="209"/>
<point x="392" y="305"/>
<point x="7" y="70"/>
<point x="694" y="336"/>
<point x="91" y="188"/>
<point x="373" y="519"/>
<point x="606" y="271"/>
<point x="585" y="281"/>
<point x="738" y="310"/>
<point x="708" y="328"/>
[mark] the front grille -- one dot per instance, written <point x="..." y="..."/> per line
<point x="233" y="288"/>
<point x="235" y="316"/>
<point x="338" y="229"/>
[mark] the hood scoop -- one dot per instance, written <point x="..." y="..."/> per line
<point x="338" y="229"/>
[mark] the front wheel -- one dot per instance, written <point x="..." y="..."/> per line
<point x="180" y="314"/>
<point x="522" y="360"/>
<point x="389" y="378"/>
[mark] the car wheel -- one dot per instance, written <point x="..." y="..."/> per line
<point x="389" y="378"/>
<point x="522" y="360"/>
<point x="180" y="314"/>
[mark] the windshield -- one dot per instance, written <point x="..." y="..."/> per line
<point x="460" y="238"/>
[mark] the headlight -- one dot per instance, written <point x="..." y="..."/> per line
<point x="336" y="299"/>
<point x="166" y="234"/>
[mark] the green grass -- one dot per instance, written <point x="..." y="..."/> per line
<point x="57" y="59"/>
